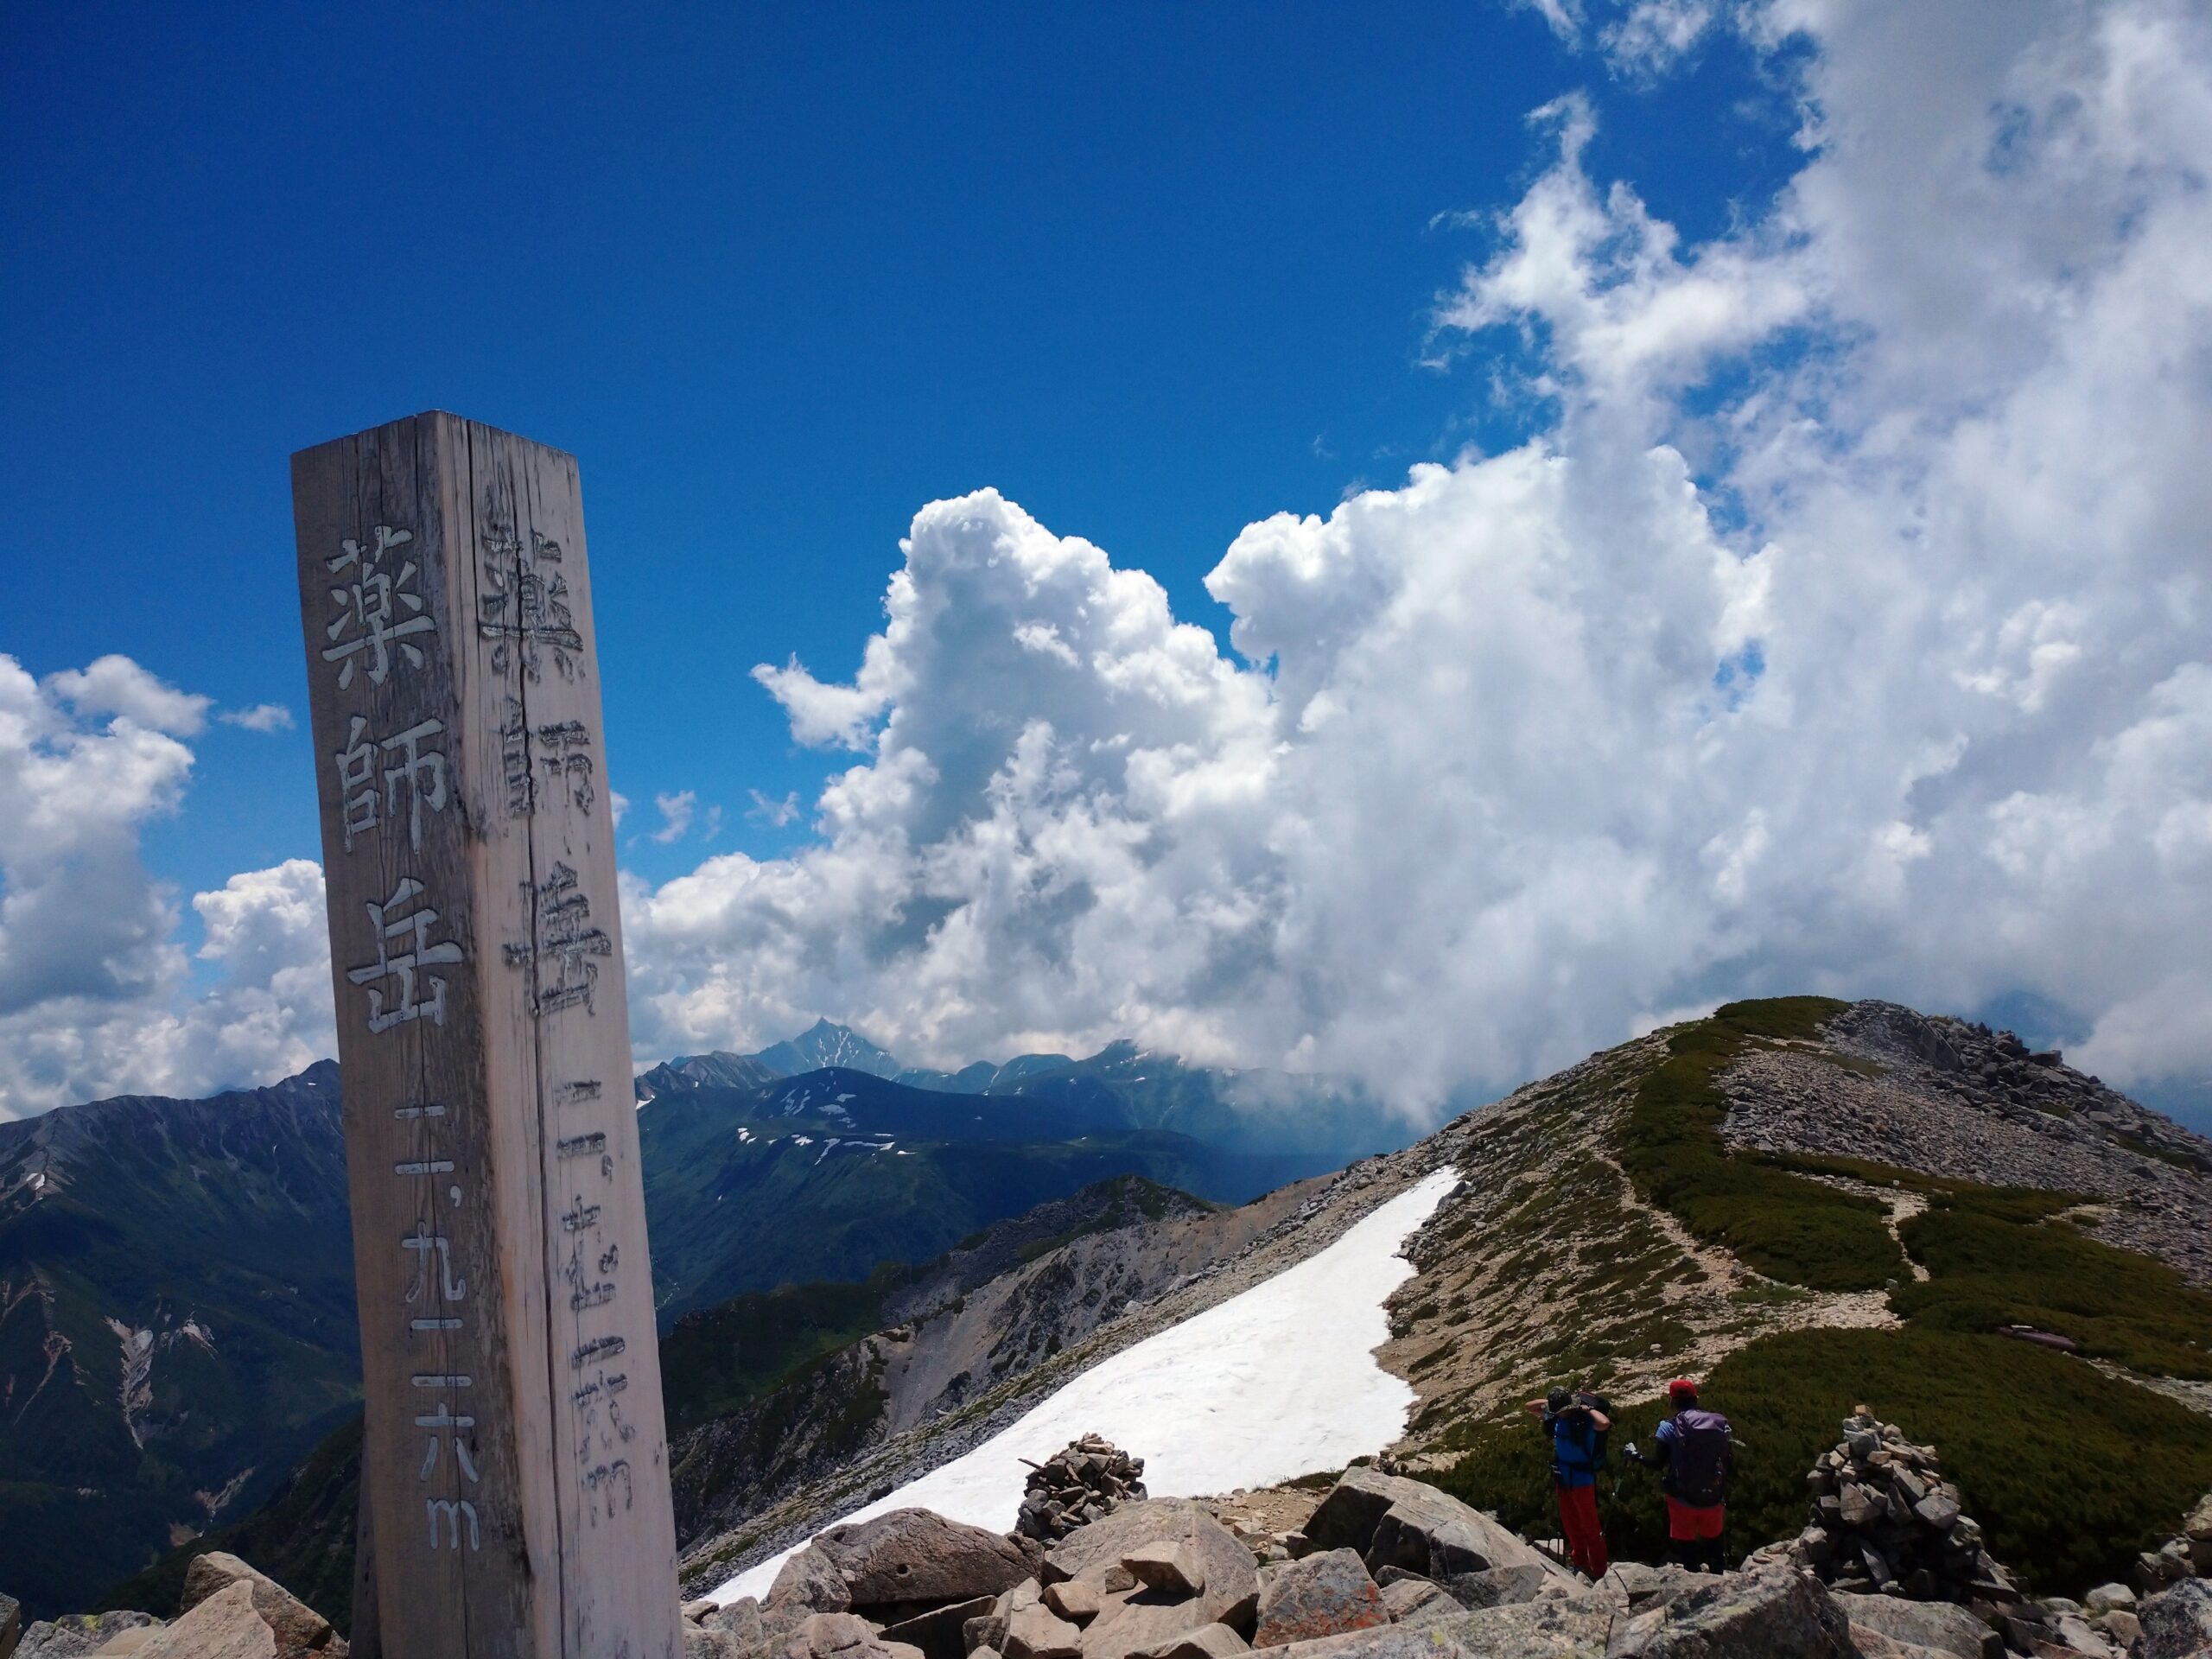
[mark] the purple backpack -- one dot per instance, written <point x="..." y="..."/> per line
<point x="1704" y="1453"/>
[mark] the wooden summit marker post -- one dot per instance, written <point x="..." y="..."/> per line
<point x="516" y="1466"/>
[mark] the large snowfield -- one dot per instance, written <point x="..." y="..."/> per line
<point x="1278" y="1380"/>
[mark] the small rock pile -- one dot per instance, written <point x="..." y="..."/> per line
<point x="1086" y="1480"/>
<point x="1885" y="1522"/>
<point x="2187" y="1554"/>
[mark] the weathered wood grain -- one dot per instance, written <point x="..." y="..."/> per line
<point x="516" y="1468"/>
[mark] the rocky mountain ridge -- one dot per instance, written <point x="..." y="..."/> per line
<point x="1681" y="1203"/>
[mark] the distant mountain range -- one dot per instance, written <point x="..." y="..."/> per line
<point x="1274" y="1114"/>
<point x="176" y="1319"/>
<point x="176" y="1297"/>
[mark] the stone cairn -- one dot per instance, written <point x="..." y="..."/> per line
<point x="1088" y="1479"/>
<point x="2187" y="1554"/>
<point x="1885" y="1522"/>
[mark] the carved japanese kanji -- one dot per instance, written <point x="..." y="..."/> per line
<point x="515" y="1467"/>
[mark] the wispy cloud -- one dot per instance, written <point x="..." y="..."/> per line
<point x="775" y="814"/>
<point x="675" y="814"/>
<point x="261" y="717"/>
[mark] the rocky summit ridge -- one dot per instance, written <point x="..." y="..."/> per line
<point x="1812" y="1205"/>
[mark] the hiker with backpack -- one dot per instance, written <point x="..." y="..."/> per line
<point x="1577" y="1425"/>
<point x="1695" y="1451"/>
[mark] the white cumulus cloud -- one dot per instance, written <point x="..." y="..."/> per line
<point x="97" y="995"/>
<point x="1845" y="630"/>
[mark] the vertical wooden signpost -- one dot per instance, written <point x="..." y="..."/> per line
<point x="516" y="1471"/>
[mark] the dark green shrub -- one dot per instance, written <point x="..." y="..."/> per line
<point x="1995" y="1261"/>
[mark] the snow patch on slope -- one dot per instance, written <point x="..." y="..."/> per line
<point x="1278" y="1380"/>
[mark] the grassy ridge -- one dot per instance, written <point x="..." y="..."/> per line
<point x="1800" y="1231"/>
<point x="2069" y="1471"/>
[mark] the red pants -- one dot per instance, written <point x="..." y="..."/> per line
<point x="1684" y="1523"/>
<point x="1578" y="1520"/>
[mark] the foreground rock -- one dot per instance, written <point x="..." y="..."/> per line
<point x="1325" y="1595"/>
<point x="912" y="1556"/>
<point x="1134" y="1617"/>
<point x="65" y="1638"/>
<point x="1389" y="1521"/>
<point x="2177" y="1621"/>
<point x="1936" y="1626"/>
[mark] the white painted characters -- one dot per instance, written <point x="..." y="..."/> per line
<point x="398" y="919"/>
<point x="419" y="772"/>
<point x="377" y="609"/>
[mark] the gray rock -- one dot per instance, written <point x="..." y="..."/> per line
<point x="80" y="1633"/>
<point x="702" y="1641"/>
<point x="1035" y="1632"/>
<point x="739" y="1620"/>
<point x="809" y="1580"/>
<point x="1077" y="1600"/>
<point x="1564" y="1629"/>
<point x="847" y="1636"/>
<point x="918" y="1555"/>
<point x="1394" y="1521"/>
<point x="1323" y="1595"/>
<point x="941" y="1632"/>
<point x="1207" y="1642"/>
<point x="295" y="1627"/>
<point x="1167" y="1564"/>
<point x="1496" y="1586"/>
<point x="11" y="1624"/>
<point x="1131" y="1620"/>
<point x="1416" y="1601"/>
<point x="2198" y="1528"/>
<point x="227" y="1624"/>
<point x="2177" y="1621"/>
<point x="2106" y="1597"/>
<point x="1771" y="1613"/>
<point x="1940" y="1625"/>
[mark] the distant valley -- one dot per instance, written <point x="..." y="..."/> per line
<point x="176" y="1301"/>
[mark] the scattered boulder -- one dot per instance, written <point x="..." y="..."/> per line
<point x="1769" y="1613"/>
<point x="1883" y="1520"/>
<point x="940" y="1632"/>
<point x="80" y="1633"/>
<point x="845" y="1636"/>
<point x="1394" y="1521"/>
<point x="809" y="1582"/>
<point x="1495" y="1586"/>
<point x="11" y="1624"/>
<point x="916" y="1555"/>
<point x="1941" y="1627"/>
<point x="1325" y="1595"/>
<point x="1077" y="1600"/>
<point x="1087" y="1480"/>
<point x="1207" y="1642"/>
<point x="2177" y="1621"/>
<point x="1417" y="1601"/>
<point x="1559" y="1628"/>
<point x="1168" y="1564"/>
<point x="1035" y="1632"/>
<point x="1133" y="1616"/>
<point x="742" y="1621"/>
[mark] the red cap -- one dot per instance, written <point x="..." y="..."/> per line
<point x="1681" y="1389"/>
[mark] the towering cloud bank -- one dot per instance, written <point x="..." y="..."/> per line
<point x="1845" y="626"/>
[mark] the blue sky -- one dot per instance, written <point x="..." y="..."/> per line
<point x="1589" y="508"/>
<point x="777" y="275"/>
